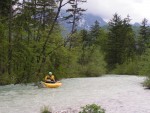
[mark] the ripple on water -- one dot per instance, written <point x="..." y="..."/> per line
<point x="116" y="94"/>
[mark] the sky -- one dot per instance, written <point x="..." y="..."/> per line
<point x="136" y="9"/>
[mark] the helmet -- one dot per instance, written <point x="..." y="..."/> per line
<point x="50" y="73"/>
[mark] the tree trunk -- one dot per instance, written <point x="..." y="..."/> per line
<point x="10" y="40"/>
<point x="47" y="39"/>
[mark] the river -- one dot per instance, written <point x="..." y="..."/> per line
<point x="114" y="93"/>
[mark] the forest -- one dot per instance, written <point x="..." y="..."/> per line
<point x="32" y="43"/>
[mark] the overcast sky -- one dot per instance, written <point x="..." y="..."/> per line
<point x="136" y="9"/>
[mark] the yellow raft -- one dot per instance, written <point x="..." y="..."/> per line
<point x="50" y="85"/>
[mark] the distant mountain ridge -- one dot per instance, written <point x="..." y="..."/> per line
<point x="87" y="21"/>
<point x="136" y="24"/>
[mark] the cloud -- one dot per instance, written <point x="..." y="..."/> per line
<point x="136" y="9"/>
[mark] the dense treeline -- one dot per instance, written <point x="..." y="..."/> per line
<point x="32" y="44"/>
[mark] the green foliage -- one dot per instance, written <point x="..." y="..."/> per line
<point x="28" y="35"/>
<point x="120" y="42"/>
<point x="93" y="108"/>
<point x="64" y="63"/>
<point x="5" y="79"/>
<point x="45" y="110"/>
<point x="147" y="83"/>
<point x="94" y="65"/>
<point x="145" y="63"/>
<point x="82" y="55"/>
<point x="95" y="34"/>
<point x="144" y="37"/>
<point x="3" y="49"/>
<point x="5" y="7"/>
<point x="91" y="59"/>
<point x="144" y="67"/>
<point x="128" y="68"/>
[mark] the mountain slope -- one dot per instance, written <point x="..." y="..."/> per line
<point x="86" y="21"/>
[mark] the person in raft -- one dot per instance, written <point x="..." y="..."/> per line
<point x="50" y="78"/>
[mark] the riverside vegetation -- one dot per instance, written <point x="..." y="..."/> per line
<point x="32" y="44"/>
<point x="92" y="108"/>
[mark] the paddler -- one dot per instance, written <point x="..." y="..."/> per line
<point x="50" y="78"/>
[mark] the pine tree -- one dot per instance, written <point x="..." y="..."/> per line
<point x="120" y="44"/>
<point x="5" y="7"/>
<point x="129" y="40"/>
<point x="84" y="45"/>
<point x="75" y="13"/>
<point x="94" y="33"/>
<point x="144" y="37"/>
<point x="45" y="9"/>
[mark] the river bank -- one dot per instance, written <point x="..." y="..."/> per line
<point x="114" y="93"/>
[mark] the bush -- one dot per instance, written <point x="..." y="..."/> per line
<point x="93" y="108"/>
<point x="94" y="64"/>
<point x="147" y="83"/>
<point x="145" y="64"/>
<point x="45" y="110"/>
<point x="130" y="68"/>
<point x="6" y="79"/>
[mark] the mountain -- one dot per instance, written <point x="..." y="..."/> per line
<point x="85" y="22"/>
<point x="136" y="24"/>
<point x="88" y="20"/>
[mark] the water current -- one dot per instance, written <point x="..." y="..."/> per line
<point x="114" y="93"/>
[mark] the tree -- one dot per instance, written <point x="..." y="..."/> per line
<point x="5" y="7"/>
<point x="45" y="10"/>
<point x="144" y="37"/>
<point x="7" y="12"/>
<point x="84" y="44"/>
<point x="120" y="43"/>
<point x="10" y="38"/>
<point x="75" y="13"/>
<point x="129" y="40"/>
<point x="95" y="33"/>
<point x="91" y="57"/>
<point x="3" y="48"/>
<point x="50" y="32"/>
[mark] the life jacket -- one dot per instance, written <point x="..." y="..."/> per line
<point x="47" y="77"/>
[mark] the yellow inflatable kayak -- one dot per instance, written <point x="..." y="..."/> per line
<point x="50" y="85"/>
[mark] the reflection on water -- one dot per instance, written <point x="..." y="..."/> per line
<point x="116" y="94"/>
